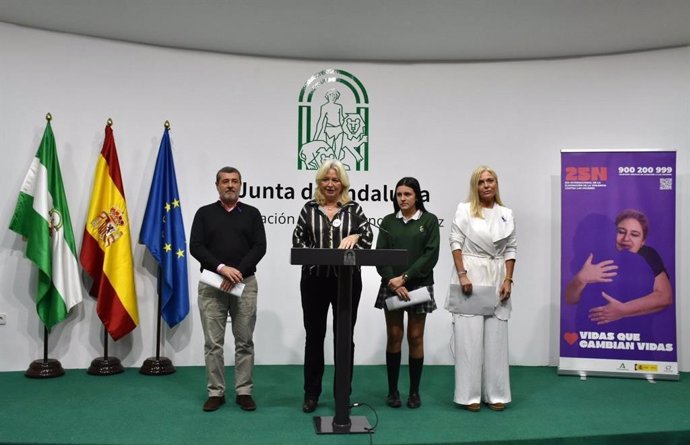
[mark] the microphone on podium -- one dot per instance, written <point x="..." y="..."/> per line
<point x="359" y="218"/>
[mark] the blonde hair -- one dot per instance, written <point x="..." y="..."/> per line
<point x="340" y="172"/>
<point x="473" y="198"/>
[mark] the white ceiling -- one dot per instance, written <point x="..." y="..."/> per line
<point x="372" y="30"/>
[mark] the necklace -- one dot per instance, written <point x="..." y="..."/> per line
<point x="330" y="214"/>
<point x="330" y="208"/>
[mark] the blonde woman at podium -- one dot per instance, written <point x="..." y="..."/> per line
<point x="407" y="288"/>
<point x="330" y="220"/>
<point x="484" y="245"/>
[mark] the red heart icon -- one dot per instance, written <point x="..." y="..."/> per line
<point x="571" y="337"/>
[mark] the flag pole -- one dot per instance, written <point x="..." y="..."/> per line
<point x="47" y="367"/>
<point x="160" y="315"/>
<point x="158" y="365"/>
<point x="45" y="344"/>
<point x="105" y="365"/>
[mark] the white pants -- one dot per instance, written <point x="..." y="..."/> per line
<point x="481" y="360"/>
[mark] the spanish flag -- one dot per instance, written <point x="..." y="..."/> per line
<point x="106" y="252"/>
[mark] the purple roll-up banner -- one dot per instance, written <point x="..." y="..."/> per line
<point x="618" y="260"/>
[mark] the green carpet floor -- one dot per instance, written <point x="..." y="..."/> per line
<point x="131" y="408"/>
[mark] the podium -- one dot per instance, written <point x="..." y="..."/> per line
<point x="345" y="261"/>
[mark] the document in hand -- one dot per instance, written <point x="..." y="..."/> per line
<point x="482" y="301"/>
<point x="416" y="296"/>
<point x="215" y="280"/>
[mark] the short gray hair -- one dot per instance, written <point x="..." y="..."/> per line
<point x="228" y="170"/>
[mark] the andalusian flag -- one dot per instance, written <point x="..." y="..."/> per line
<point x="162" y="231"/>
<point x="42" y="218"/>
<point x="106" y="252"/>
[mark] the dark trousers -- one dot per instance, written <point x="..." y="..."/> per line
<point x="318" y="293"/>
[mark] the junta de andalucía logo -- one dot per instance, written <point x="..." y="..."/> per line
<point x="333" y="121"/>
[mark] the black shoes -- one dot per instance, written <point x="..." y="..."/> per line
<point x="393" y="400"/>
<point x="413" y="401"/>
<point x="246" y="402"/>
<point x="309" y="404"/>
<point x="213" y="403"/>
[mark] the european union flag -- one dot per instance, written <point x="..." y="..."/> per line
<point x="162" y="232"/>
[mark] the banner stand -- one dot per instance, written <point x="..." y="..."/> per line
<point x="618" y="264"/>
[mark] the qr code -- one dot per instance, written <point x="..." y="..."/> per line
<point x="665" y="183"/>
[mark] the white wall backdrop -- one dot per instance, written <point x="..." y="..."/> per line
<point x="433" y="121"/>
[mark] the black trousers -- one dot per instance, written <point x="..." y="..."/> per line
<point x="318" y="293"/>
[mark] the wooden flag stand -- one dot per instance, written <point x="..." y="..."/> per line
<point x="105" y="365"/>
<point x="158" y="365"/>
<point x="46" y="368"/>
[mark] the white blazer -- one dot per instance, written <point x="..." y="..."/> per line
<point x="486" y="244"/>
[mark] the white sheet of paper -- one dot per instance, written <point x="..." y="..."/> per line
<point x="215" y="280"/>
<point x="416" y="296"/>
<point x="482" y="301"/>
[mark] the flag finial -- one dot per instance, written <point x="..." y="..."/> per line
<point x="49" y="117"/>
<point x="110" y="122"/>
<point x="167" y="125"/>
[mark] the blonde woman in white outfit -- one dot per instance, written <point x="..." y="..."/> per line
<point x="483" y="244"/>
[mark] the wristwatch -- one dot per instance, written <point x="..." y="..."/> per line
<point x="405" y="277"/>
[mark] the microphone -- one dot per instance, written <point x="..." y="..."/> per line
<point x="359" y="218"/>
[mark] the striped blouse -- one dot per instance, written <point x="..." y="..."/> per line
<point x="314" y="230"/>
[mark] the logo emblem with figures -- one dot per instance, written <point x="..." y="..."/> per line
<point x="333" y="120"/>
